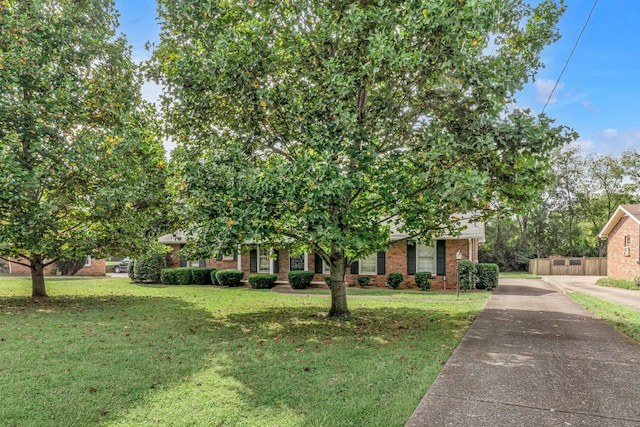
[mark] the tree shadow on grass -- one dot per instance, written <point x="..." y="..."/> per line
<point x="130" y="360"/>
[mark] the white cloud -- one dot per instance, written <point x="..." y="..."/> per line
<point x="585" y="145"/>
<point x="151" y="92"/>
<point x="544" y="88"/>
<point x="609" y="133"/>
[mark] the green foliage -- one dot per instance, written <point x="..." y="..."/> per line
<point x="300" y="279"/>
<point x="363" y="281"/>
<point x="395" y="280"/>
<point x="147" y="268"/>
<point x="177" y="276"/>
<point x="327" y="280"/>
<point x="616" y="283"/>
<point x="70" y="266"/>
<point x="229" y="278"/>
<point x="423" y="280"/>
<point x="468" y="274"/>
<point x="262" y="281"/>
<point x="569" y="214"/>
<point x="82" y="166"/>
<point x="307" y="135"/>
<point x="487" y="276"/>
<point x="202" y="276"/>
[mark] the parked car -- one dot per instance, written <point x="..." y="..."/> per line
<point x="122" y="266"/>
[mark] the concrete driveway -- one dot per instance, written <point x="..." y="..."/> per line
<point x="587" y="285"/>
<point x="534" y="357"/>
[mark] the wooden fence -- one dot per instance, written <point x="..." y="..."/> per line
<point x="568" y="266"/>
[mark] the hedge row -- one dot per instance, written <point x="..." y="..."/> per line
<point x="263" y="281"/>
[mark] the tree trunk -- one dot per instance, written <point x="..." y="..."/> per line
<point x="338" y="268"/>
<point x="37" y="277"/>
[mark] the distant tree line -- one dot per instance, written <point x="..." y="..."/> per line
<point x="567" y="217"/>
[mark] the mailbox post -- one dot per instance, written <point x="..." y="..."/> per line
<point x="458" y="259"/>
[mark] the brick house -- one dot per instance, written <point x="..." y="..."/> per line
<point x="92" y="267"/>
<point x="403" y="256"/>
<point x="623" y="242"/>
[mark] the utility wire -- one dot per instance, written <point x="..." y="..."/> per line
<point x="584" y="27"/>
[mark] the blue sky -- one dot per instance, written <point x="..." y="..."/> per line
<point x="598" y="96"/>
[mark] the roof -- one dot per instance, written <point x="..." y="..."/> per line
<point x="177" y="237"/>
<point x="473" y="230"/>
<point x="631" y="211"/>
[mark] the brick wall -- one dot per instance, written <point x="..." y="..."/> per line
<point x="620" y="266"/>
<point x="395" y="261"/>
<point x="97" y="268"/>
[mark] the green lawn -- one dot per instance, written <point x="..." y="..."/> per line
<point x="106" y="352"/>
<point x="616" y="283"/>
<point x="625" y="319"/>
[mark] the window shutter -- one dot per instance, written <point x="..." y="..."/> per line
<point x="355" y="267"/>
<point x="318" y="264"/>
<point x="202" y="263"/>
<point x="253" y="261"/>
<point x="441" y="265"/>
<point x="411" y="258"/>
<point x="381" y="263"/>
<point x="235" y="255"/>
<point x="183" y="263"/>
<point x="276" y="262"/>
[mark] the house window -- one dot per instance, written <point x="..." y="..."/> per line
<point x="368" y="265"/>
<point x="326" y="269"/>
<point x="426" y="257"/>
<point x="87" y="262"/>
<point x="296" y="263"/>
<point x="263" y="260"/>
<point x="227" y="257"/>
<point x="627" y="245"/>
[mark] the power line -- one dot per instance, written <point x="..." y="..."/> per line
<point x="584" y="27"/>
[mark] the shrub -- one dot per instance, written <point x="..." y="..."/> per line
<point x="327" y="280"/>
<point x="300" y="279"/>
<point x="229" y="278"/>
<point x="176" y="276"/>
<point x="131" y="272"/>
<point x="636" y="281"/>
<point x="363" y="281"/>
<point x="423" y="280"/>
<point x="467" y="274"/>
<point x="202" y="276"/>
<point x="147" y="268"/>
<point x="263" y="281"/>
<point x="487" y="276"/>
<point x="395" y="280"/>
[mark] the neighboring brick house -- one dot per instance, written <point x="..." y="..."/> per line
<point x="403" y="256"/>
<point x="623" y="242"/>
<point x="92" y="267"/>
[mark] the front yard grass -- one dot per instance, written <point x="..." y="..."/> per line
<point x="106" y="352"/>
<point x="625" y="319"/>
<point x="616" y="283"/>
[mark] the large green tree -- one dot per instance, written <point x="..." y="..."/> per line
<point x="317" y="124"/>
<point x="81" y="163"/>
